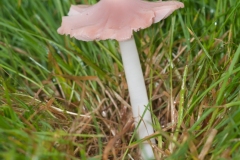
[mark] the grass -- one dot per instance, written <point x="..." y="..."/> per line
<point x="66" y="99"/>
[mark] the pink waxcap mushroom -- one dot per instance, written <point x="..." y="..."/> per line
<point x="114" y="19"/>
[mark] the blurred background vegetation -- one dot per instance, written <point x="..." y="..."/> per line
<point x="66" y="99"/>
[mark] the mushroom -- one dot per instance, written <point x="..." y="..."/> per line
<point x="117" y="19"/>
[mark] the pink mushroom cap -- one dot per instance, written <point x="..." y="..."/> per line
<point x="114" y="19"/>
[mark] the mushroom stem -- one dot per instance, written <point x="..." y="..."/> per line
<point x="138" y="94"/>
